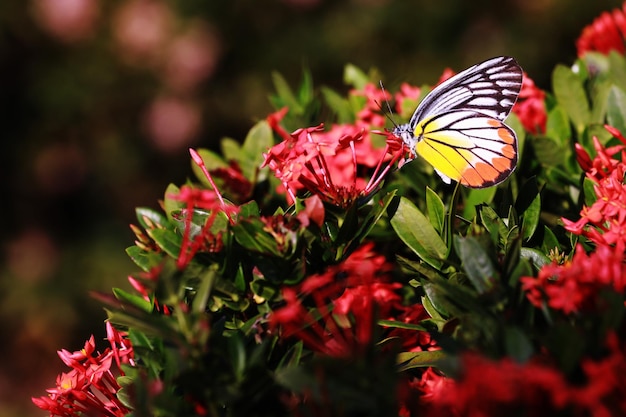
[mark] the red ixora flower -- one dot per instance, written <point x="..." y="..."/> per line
<point x="330" y="163"/>
<point x="334" y="313"/>
<point x="90" y="388"/>
<point x="606" y="33"/>
<point x="504" y="387"/>
<point x="604" y="222"/>
<point x="575" y="285"/>
<point x="530" y="107"/>
<point x="201" y="202"/>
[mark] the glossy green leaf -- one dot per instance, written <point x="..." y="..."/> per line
<point x="616" y="111"/>
<point x="285" y="95"/>
<point x="355" y="77"/>
<point x="339" y="105"/>
<point x="149" y="218"/>
<point x="548" y="151"/>
<point x="167" y="240"/>
<point x="258" y="140"/>
<point x="203" y="291"/>
<point x="535" y="256"/>
<point x="570" y="94"/>
<point x="590" y="195"/>
<point x="517" y="344"/>
<point x="476" y="262"/>
<point x="475" y="197"/>
<point x="133" y="300"/>
<point x="418" y="234"/>
<point x="410" y="360"/>
<point x="436" y="209"/>
<point x="143" y="259"/>
<point x="528" y="204"/>
<point x="558" y="126"/>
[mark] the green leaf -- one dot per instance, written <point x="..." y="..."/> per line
<point x="549" y="240"/>
<point x="548" y="151"/>
<point x="476" y="197"/>
<point x="148" y="218"/>
<point x="617" y="69"/>
<point x="339" y="105"/>
<point x="286" y="95"/>
<point x="616" y="111"/>
<point x="436" y="209"/>
<point x="143" y="259"/>
<point x="589" y="191"/>
<point x="517" y="344"/>
<point x="557" y="125"/>
<point x="528" y="204"/>
<point x="354" y="76"/>
<point x="535" y="256"/>
<point x="570" y="94"/>
<point x="133" y="300"/>
<point x="476" y="263"/>
<point x="401" y="325"/>
<point x="258" y="141"/>
<point x="418" y="234"/>
<point x="167" y="240"/>
<point x="170" y="205"/>
<point x="201" y="298"/>
<point x="231" y="149"/>
<point x="410" y="360"/>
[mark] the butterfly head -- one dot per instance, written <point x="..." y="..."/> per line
<point x="405" y="132"/>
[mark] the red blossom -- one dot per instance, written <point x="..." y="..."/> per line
<point x="90" y="388"/>
<point x="504" y="387"/>
<point x="330" y="163"/>
<point x="606" y="33"/>
<point x="497" y="388"/>
<point x="575" y="285"/>
<point x="604" y="222"/>
<point x="346" y="301"/>
<point x="530" y="107"/>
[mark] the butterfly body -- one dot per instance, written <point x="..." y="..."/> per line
<point x="459" y="126"/>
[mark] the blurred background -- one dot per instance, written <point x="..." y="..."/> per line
<point x="99" y="101"/>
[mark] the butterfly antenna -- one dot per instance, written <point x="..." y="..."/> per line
<point x="389" y="112"/>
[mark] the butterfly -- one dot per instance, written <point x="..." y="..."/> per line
<point x="459" y="126"/>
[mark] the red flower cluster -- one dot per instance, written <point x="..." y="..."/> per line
<point x="330" y="163"/>
<point x="90" y="388"/>
<point x="504" y="387"/>
<point x="346" y="301"/>
<point x="604" y="222"/>
<point x="213" y="204"/>
<point x="606" y="33"/>
<point x="575" y="285"/>
<point x="530" y="107"/>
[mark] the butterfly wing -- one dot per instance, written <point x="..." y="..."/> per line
<point x="471" y="148"/>
<point x="490" y="88"/>
<point x="458" y="128"/>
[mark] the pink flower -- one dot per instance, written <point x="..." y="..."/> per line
<point x="191" y="57"/>
<point x="173" y="123"/>
<point x="142" y="28"/>
<point x="90" y="388"/>
<point x="67" y="20"/>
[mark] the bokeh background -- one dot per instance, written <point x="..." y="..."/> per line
<point x="100" y="99"/>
